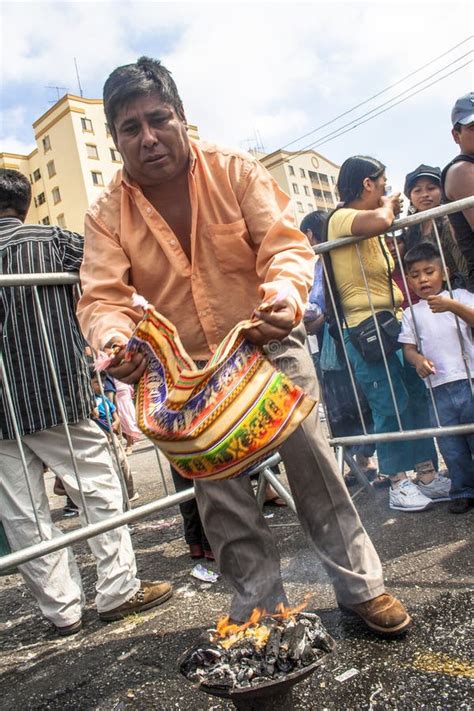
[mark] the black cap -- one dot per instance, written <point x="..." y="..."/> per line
<point x="423" y="171"/>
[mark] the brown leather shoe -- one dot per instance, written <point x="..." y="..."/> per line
<point x="149" y="595"/>
<point x="383" y="614"/>
<point x="66" y="630"/>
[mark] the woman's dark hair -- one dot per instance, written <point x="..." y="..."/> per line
<point x="15" y="192"/>
<point x="352" y="174"/>
<point x="315" y="222"/>
<point x="140" y="79"/>
<point x="423" y="252"/>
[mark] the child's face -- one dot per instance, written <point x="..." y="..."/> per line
<point x="390" y="242"/>
<point x="95" y="386"/>
<point x="426" y="277"/>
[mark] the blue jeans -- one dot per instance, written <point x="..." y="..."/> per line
<point x="412" y="404"/>
<point x="456" y="407"/>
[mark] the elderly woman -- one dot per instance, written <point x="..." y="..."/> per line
<point x="365" y="210"/>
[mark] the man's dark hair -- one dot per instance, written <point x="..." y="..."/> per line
<point x="423" y="252"/>
<point x="314" y="221"/>
<point x="457" y="127"/>
<point x="140" y="79"/>
<point x="15" y="192"/>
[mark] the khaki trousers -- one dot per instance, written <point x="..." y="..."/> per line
<point x="243" y="543"/>
<point x="54" y="579"/>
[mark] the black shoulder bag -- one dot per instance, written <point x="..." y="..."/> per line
<point x="364" y="336"/>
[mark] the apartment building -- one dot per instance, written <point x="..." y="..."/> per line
<point x="74" y="159"/>
<point x="308" y="177"/>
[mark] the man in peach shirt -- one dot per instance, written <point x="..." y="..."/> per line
<point x="207" y="236"/>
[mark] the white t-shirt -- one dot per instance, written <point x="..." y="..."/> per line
<point x="439" y="338"/>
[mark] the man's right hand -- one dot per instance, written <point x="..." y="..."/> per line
<point x="128" y="369"/>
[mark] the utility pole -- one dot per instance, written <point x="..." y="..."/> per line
<point x="78" y="79"/>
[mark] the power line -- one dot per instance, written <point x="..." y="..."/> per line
<point x="357" y="121"/>
<point x="383" y="91"/>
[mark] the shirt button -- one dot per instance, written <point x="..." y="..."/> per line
<point x="148" y="210"/>
<point x="172" y="242"/>
<point x="193" y="277"/>
<point x="213" y="347"/>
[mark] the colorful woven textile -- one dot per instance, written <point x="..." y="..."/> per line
<point x="218" y="422"/>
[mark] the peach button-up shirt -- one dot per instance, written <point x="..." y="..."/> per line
<point x="245" y="248"/>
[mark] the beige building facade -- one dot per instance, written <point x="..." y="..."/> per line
<point x="74" y="158"/>
<point x="307" y="177"/>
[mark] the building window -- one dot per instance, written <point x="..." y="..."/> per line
<point x="115" y="155"/>
<point x="296" y="189"/>
<point x="41" y="199"/>
<point x="45" y="221"/>
<point x="302" y="173"/>
<point x="310" y="207"/>
<point x="87" y="125"/>
<point x="300" y="207"/>
<point x="97" y="178"/>
<point x="46" y="144"/>
<point x="92" y="151"/>
<point x="323" y="178"/>
<point x="56" y="195"/>
<point x="333" y="180"/>
<point x="317" y="193"/>
<point x="291" y="170"/>
<point x="306" y="190"/>
<point x="51" y="168"/>
<point x="328" y="196"/>
<point x="107" y="129"/>
<point x="36" y="175"/>
<point x="61" y="220"/>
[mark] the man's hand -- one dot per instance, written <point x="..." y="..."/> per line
<point x="424" y="367"/>
<point x="278" y="318"/>
<point x="125" y="367"/>
<point x="314" y="324"/>
<point x="440" y="304"/>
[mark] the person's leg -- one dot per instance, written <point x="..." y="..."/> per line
<point x="242" y="543"/>
<point x="455" y="407"/>
<point x="116" y="567"/>
<point x="321" y="497"/>
<point x="194" y="534"/>
<point x="53" y="579"/>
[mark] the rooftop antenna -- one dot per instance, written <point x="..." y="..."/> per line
<point x="78" y="79"/>
<point x="258" y="138"/>
<point x="58" y="89"/>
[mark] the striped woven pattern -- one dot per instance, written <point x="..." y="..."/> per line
<point x="217" y="422"/>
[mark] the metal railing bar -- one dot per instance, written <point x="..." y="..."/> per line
<point x="399" y="224"/>
<point x="93" y="529"/>
<point x="417" y="335"/>
<point x="379" y="338"/>
<point x="49" y="355"/>
<point x="346" y="355"/>
<point x="445" y="431"/>
<point x="11" y="409"/>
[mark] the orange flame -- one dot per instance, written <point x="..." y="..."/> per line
<point x="229" y="633"/>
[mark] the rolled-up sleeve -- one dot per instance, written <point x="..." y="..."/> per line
<point x="285" y="259"/>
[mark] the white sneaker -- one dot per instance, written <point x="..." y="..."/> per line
<point x="406" y="496"/>
<point x="436" y="490"/>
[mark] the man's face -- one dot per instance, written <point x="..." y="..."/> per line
<point x="425" y="194"/>
<point x="465" y="139"/>
<point x="152" y="140"/>
<point x="426" y="277"/>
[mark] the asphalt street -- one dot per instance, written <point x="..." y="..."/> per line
<point x="131" y="664"/>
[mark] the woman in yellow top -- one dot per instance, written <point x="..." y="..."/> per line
<point x="367" y="211"/>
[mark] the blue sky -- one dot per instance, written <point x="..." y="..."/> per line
<point x="276" y="69"/>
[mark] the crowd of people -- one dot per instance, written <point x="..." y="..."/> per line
<point x="221" y="244"/>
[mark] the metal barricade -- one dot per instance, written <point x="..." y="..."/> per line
<point x="400" y="433"/>
<point x="45" y="546"/>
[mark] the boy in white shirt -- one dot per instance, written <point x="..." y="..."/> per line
<point x="444" y="358"/>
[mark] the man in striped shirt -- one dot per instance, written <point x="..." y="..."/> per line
<point x="37" y="412"/>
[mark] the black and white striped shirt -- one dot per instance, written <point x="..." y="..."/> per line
<point x="31" y="249"/>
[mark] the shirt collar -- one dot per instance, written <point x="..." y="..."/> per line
<point x="14" y="220"/>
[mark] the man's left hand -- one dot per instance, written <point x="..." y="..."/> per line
<point x="278" y="318"/>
